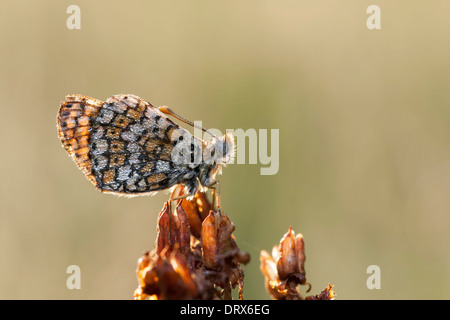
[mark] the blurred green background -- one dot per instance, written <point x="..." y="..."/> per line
<point x="364" y="137"/>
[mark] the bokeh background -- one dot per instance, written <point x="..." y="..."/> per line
<point x="364" y="137"/>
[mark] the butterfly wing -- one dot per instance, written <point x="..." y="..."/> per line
<point x="74" y="129"/>
<point x="128" y="145"/>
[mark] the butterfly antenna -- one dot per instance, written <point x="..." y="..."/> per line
<point x="169" y="112"/>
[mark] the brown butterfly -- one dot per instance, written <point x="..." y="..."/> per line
<point x="127" y="146"/>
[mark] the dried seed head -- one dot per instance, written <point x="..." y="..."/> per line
<point x="291" y="257"/>
<point x="185" y="266"/>
<point x="209" y="242"/>
<point x="170" y="277"/>
<point x="285" y="270"/>
<point x="218" y="242"/>
<point x="173" y="230"/>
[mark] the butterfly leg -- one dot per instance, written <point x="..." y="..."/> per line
<point x="179" y="198"/>
<point x="216" y="195"/>
<point x="178" y="190"/>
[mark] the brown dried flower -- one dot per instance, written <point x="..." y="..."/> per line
<point x="162" y="278"/>
<point x="195" y="255"/>
<point x="284" y="271"/>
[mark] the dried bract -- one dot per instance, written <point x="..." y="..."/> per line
<point x="326" y="294"/>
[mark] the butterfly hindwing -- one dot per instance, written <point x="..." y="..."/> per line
<point x="74" y="129"/>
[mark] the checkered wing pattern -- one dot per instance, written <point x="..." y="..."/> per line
<point x="123" y="145"/>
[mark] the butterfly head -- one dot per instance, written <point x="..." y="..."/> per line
<point x="224" y="148"/>
<point x="220" y="151"/>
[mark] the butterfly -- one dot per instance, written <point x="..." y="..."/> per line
<point x="126" y="146"/>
